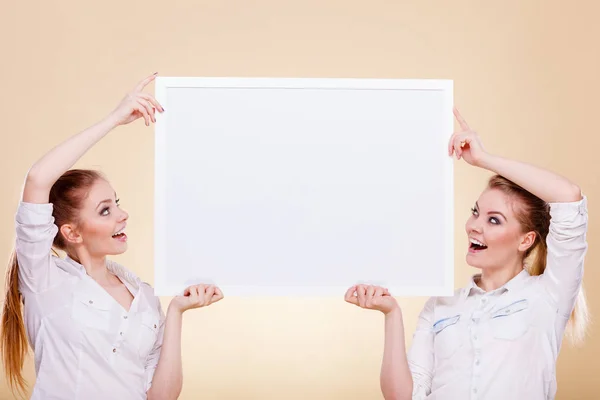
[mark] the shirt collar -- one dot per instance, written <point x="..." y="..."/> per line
<point x="511" y="285"/>
<point x="128" y="277"/>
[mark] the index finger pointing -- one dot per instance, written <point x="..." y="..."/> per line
<point x="461" y="121"/>
<point x="142" y="84"/>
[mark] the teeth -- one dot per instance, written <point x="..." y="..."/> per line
<point x="117" y="233"/>
<point x="477" y="242"/>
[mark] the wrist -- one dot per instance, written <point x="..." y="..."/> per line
<point x="394" y="312"/>
<point x="174" y="309"/>
<point x="111" y="121"/>
<point x="487" y="161"/>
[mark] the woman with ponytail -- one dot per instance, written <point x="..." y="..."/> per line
<point x="96" y="330"/>
<point x="499" y="337"/>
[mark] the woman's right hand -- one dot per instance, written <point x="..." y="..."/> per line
<point x="372" y="298"/>
<point x="137" y="104"/>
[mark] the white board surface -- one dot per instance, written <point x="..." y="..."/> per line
<point x="303" y="187"/>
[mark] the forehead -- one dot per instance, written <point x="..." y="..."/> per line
<point x="496" y="200"/>
<point x="101" y="190"/>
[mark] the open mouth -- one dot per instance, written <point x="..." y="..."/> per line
<point x="120" y="235"/>
<point x="476" y="245"/>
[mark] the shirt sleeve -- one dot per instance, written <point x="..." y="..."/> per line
<point x="154" y="356"/>
<point x="567" y="246"/>
<point x="35" y="233"/>
<point x="420" y="355"/>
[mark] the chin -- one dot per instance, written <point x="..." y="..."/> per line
<point x="116" y="251"/>
<point x="472" y="261"/>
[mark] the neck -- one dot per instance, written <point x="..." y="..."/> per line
<point x="95" y="266"/>
<point x="493" y="278"/>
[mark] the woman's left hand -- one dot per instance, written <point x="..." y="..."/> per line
<point x="466" y="143"/>
<point x="196" y="296"/>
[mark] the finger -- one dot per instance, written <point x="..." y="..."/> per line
<point x="144" y="82"/>
<point x="459" y="143"/>
<point x="199" y="290"/>
<point x="451" y="144"/>
<point x="152" y="100"/>
<point x="461" y="121"/>
<point x="142" y="110"/>
<point x="208" y="294"/>
<point x="192" y="295"/>
<point x="370" y="293"/>
<point x="218" y="295"/>
<point x="361" y="292"/>
<point x="350" y="297"/>
<point x="148" y="107"/>
<point x="187" y="292"/>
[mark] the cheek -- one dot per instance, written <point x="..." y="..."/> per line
<point x="98" y="228"/>
<point x="500" y="237"/>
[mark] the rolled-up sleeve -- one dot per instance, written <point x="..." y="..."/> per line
<point x="567" y="246"/>
<point x="35" y="233"/>
<point x="154" y="356"/>
<point x="420" y="355"/>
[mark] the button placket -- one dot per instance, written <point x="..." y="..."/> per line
<point x="121" y="330"/>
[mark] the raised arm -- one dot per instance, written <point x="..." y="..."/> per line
<point x="547" y="185"/>
<point x="57" y="161"/>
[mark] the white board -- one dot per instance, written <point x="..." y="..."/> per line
<point x="304" y="186"/>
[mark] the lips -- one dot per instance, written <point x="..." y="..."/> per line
<point x="120" y="234"/>
<point x="476" y="245"/>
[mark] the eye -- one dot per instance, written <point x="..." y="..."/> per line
<point x="494" y="220"/>
<point x="105" y="211"/>
<point x="117" y="202"/>
<point x="474" y="211"/>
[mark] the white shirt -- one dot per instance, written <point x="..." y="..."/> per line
<point x="503" y="344"/>
<point x="86" y="346"/>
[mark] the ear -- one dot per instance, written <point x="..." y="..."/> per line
<point x="70" y="234"/>
<point x="527" y="240"/>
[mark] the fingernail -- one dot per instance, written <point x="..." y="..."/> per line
<point x="156" y="73"/>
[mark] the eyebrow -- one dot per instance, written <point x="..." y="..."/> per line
<point x="491" y="212"/>
<point x="105" y="201"/>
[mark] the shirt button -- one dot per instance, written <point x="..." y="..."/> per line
<point x="121" y="333"/>
<point x="484" y="300"/>
<point x="124" y="316"/>
<point x="476" y="362"/>
<point x="91" y="302"/>
<point x="154" y="326"/>
<point x="114" y="350"/>
<point x="474" y="337"/>
<point x="475" y="390"/>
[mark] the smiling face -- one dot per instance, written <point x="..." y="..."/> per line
<point x="100" y="225"/>
<point x="496" y="236"/>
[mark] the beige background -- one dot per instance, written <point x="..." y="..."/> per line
<point x="526" y="77"/>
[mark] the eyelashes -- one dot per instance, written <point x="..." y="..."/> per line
<point x="106" y="210"/>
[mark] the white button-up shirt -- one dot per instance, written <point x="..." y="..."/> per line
<point x="503" y="344"/>
<point x="86" y="345"/>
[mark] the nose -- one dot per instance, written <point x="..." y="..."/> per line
<point x="124" y="215"/>
<point x="473" y="225"/>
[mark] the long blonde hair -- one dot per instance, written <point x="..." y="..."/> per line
<point x="534" y="215"/>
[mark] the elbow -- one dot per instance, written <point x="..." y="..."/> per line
<point x="575" y="193"/>
<point x="35" y="178"/>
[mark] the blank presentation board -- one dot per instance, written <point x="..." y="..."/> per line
<point x="304" y="187"/>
